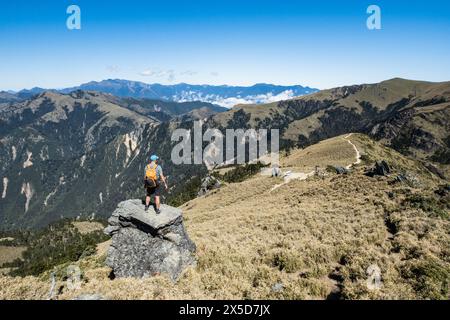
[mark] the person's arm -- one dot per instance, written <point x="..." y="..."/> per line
<point x="164" y="181"/>
<point x="163" y="178"/>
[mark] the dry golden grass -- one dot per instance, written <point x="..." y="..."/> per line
<point x="102" y="248"/>
<point x="336" y="151"/>
<point x="85" y="227"/>
<point x="29" y="288"/>
<point x="9" y="254"/>
<point x="313" y="236"/>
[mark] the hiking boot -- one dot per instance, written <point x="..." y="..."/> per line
<point x="158" y="211"/>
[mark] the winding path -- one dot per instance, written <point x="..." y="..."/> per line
<point x="358" y="154"/>
<point x="303" y="176"/>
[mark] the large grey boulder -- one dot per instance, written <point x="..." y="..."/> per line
<point x="146" y="244"/>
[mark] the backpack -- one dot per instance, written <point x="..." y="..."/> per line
<point x="150" y="175"/>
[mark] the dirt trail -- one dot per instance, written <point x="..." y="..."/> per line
<point x="289" y="176"/>
<point x="293" y="176"/>
<point x="358" y="154"/>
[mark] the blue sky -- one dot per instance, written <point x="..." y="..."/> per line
<point x="321" y="44"/>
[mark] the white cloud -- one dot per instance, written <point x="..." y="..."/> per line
<point x="146" y="73"/>
<point x="232" y="101"/>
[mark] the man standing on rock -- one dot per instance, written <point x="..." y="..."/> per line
<point x="153" y="178"/>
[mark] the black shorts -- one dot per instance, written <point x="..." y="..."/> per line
<point x="154" y="191"/>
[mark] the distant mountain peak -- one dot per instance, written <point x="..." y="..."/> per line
<point x="223" y="95"/>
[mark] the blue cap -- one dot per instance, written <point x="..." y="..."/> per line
<point x="154" y="157"/>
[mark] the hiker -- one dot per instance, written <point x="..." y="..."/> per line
<point x="152" y="181"/>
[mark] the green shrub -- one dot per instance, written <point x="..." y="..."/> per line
<point x="430" y="279"/>
<point x="242" y="172"/>
<point x="286" y="261"/>
<point x="366" y="158"/>
<point x="54" y="245"/>
<point x="427" y="204"/>
<point x="330" y="169"/>
<point x="188" y="192"/>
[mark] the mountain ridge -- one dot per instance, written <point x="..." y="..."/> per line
<point x="413" y="115"/>
<point x="224" y="95"/>
<point x="45" y="161"/>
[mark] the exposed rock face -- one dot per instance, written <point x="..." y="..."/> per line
<point x="209" y="183"/>
<point x="407" y="178"/>
<point x="145" y="244"/>
<point x="435" y="170"/>
<point x="340" y="170"/>
<point x="381" y="168"/>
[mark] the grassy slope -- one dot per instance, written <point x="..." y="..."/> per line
<point x="9" y="254"/>
<point x="336" y="151"/>
<point x="85" y="227"/>
<point x="316" y="237"/>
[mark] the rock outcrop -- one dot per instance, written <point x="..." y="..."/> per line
<point x="381" y="168"/>
<point x="145" y="244"/>
<point x="340" y="170"/>
<point x="208" y="183"/>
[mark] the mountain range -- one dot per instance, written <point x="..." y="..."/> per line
<point x="225" y="96"/>
<point x="410" y="116"/>
<point x="63" y="152"/>
<point x="363" y="192"/>
<point x="80" y="153"/>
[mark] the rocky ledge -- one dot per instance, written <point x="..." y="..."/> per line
<point x="146" y="244"/>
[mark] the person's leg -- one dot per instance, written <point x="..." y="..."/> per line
<point x="147" y="196"/>
<point x="157" y="202"/>
<point x="157" y="198"/>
